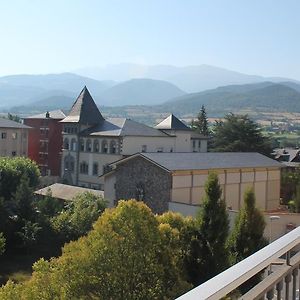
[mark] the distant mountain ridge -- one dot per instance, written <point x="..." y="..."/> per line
<point x="189" y="78"/>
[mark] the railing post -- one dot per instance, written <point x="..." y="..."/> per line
<point x="295" y="273"/>
<point x="279" y="287"/>
<point x="287" y="286"/>
<point x="288" y="258"/>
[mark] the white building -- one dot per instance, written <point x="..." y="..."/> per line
<point x="91" y="142"/>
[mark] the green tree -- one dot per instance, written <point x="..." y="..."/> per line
<point x="123" y="257"/>
<point x="78" y="217"/>
<point x="200" y="125"/>
<point x="238" y="133"/>
<point x="11" y="172"/>
<point x="48" y="205"/>
<point x="247" y="235"/>
<point x="2" y="243"/>
<point x="211" y="255"/>
<point x="29" y="234"/>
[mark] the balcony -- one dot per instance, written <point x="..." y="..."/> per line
<point x="280" y="262"/>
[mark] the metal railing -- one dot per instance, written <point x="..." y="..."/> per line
<point x="282" y="281"/>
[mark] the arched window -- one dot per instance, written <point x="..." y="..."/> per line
<point x="95" y="169"/>
<point x="104" y="146"/>
<point x="73" y="145"/>
<point x="66" y="144"/>
<point x="84" y="168"/>
<point x="88" y="145"/>
<point x="96" y="146"/>
<point x="112" y="147"/>
<point x="69" y="163"/>
<point x="81" y="145"/>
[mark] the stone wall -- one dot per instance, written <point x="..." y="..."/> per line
<point x="138" y="178"/>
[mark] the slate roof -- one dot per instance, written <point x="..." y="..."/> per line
<point x="54" y="114"/>
<point x="66" y="192"/>
<point x="172" y="123"/>
<point x="209" y="160"/>
<point x="122" y="127"/>
<point x="84" y="110"/>
<point x="6" y="123"/>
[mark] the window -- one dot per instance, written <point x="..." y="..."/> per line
<point x="84" y="168"/>
<point x="66" y="144"/>
<point x="95" y="169"/>
<point x="194" y="144"/>
<point x="96" y="146"/>
<point x="3" y="135"/>
<point x="199" y="144"/>
<point x="14" y="135"/>
<point x="113" y="147"/>
<point x="69" y="163"/>
<point x="144" y="148"/>
<point x="104" y="146"/>
<point x="73" y="145"/>
<point x="88" y="146"/>
<point x="81" y="145"/>
<point x="14" y="153"/>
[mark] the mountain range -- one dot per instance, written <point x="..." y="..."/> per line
<point x="32" y="93"/>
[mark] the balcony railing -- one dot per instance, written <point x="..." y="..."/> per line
<point x="281" y="262"/>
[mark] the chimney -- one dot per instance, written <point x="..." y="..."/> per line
<point x="47" y="115"/>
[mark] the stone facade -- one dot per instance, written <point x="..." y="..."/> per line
<point x="139" y="179"/>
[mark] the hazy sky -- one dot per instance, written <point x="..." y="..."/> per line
<point x="252" y="36"/>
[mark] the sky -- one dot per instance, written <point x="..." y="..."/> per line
<point x="260" y="37"/>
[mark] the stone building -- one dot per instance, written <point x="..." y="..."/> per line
<point x="91" y="142"/>
<point x="13" y="138"/>
<point x="175" y="181"/>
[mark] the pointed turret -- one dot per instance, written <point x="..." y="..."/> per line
<point x="171" y="123"/>
<point x="84" y="110"/>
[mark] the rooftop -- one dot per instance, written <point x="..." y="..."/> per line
<point x="6" y="123"/>
<point x="172" y="123"/>
<point x="210" y="160"/>
<point x="54" y="114"/>
<point x="66" y="192"/>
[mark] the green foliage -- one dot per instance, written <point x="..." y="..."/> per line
<point x="200" y="125"/>
<point x="48" y="205"/>
<point x="2" y="243"/>
<point x="289" y="182"/>
<point x="79" y="216"/>
<point x="238" y="133"/>
<point x="210" y="253"/>
<point x="29" y="234"/>
<point x="11" y="172"/>
<point x="15" y="118"/>
<point x="247" y="234"/>
<point x="123" y="257"/>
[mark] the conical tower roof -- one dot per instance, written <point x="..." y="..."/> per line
<point x="84" y="110"/>
<point x="172" y="123"/>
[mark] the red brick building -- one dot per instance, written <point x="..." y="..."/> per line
<point x="45" y="141"/>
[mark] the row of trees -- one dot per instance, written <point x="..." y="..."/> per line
<point x="39" y="226"/>
<point x="235" y="133"/>
<point x="133" y="254"/>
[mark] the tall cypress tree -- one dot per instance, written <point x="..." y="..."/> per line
<point x="247" y="235"/>
<point x="201" y="123"/>
<point x="213" y="232"/>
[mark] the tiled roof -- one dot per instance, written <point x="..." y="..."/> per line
<point x="54" y="114"/>
<point x="66" y="192"/>
<point x="122" y="127"/>
<point x="84" y="110"/>
<point x="210" y="160"/>
<point x="172" y="122"/>
<point x="6" y="123"/>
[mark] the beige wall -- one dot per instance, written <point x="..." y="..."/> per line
<point x="15" y="143"/>
<point x="188" y="186"/>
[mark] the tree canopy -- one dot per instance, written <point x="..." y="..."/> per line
<point x="238" y="133"/>
<point x="200" y="125"/>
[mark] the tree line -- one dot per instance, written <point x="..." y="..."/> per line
<point x="130" y="253"/>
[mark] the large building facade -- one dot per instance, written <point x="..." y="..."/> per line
<point x="13" y="138"/>
<point x="91" y="142"/>
<point x="175" y="181"/>
<point x="45" y="141"/>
